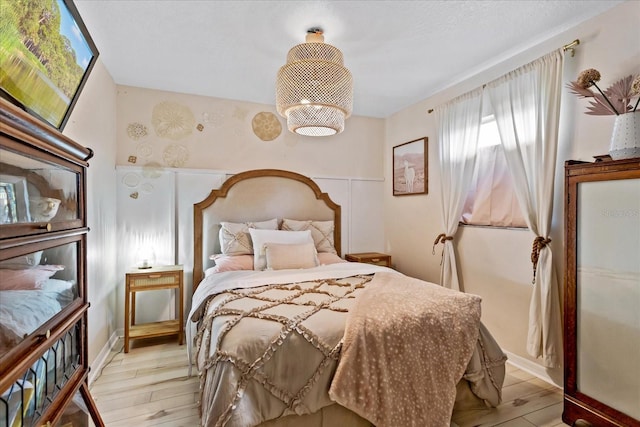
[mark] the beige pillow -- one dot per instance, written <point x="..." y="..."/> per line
<point x="321" y="232"/>
<point x="282" y="256"/>
<point x="261" y="237"/>
<point x="235" y="239"/>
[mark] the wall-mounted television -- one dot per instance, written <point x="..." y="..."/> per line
<point x="46" y="55"/>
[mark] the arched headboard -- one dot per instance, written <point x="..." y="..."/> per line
<point x="257" y="195"/>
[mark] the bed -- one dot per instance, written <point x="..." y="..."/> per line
<point x="284" y="332"/>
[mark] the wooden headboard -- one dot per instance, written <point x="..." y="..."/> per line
<point x="257" y="195"/>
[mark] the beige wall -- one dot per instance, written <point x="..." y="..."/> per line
<point x="494" y="263"/>
<point x="227" y="141"/>
<point x="93" y="125"/>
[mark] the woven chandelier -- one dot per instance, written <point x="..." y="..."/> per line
<point x="314" y="91"/>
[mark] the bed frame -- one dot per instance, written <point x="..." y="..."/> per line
<point x="258" y="195"/>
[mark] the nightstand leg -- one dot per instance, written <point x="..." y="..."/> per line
<point x="181" y="313"/>
<point x="127" y="296"/>
<point x="133" y="308"/>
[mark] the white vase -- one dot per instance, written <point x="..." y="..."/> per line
<point x="625" y="139"/>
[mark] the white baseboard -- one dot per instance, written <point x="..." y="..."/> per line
<point x="530" y="367"/>
<point x="101" y="359"/>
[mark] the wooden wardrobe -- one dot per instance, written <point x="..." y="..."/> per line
<point x="602" y="293"/>
<point x="43" y="290"/>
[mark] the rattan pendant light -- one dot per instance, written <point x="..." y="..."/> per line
<point x="314" y="91"/>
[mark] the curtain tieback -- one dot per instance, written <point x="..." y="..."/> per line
<point x="442" y="237"/>
<point x="538" y="243"/>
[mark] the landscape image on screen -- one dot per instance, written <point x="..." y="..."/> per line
<point x="43" y="56"/>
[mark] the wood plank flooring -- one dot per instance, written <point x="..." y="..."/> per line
<point x="149" y="386"/>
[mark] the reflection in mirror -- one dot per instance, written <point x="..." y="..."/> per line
<point x="34" y="288"/>
<point x="8" y="212"/>
<point x="35" y="191"/>
<point x="13" y="199"/>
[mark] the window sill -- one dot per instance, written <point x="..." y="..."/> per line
<point x="499" y="227"/>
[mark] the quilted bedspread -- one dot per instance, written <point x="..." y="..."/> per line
<point x="269" y="347"/>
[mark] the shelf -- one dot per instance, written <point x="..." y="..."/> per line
<point x="155" y="329"/>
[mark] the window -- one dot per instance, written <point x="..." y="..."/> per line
<point x="491" y="200"/>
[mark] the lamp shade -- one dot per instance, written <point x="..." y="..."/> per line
<point x="314" y="91"/>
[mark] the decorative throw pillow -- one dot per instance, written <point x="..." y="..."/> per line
<point x="283" y="256"/>
<point x="231" y="263"/>
<point x="321" y="231"/>
<point x="260" y="237"/>
<point x="234" y="237"/>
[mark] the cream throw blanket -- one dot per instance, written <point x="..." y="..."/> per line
<point x="406" y="345"/>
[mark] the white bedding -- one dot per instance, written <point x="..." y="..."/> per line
<point x="24" y="311"/>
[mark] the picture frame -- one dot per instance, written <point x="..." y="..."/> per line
<point x="410" y="168"/>
<point x="45" y="76"/>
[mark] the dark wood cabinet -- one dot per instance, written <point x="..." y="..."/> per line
<point x="602" y="293"/>
<point x="43" y="295"/>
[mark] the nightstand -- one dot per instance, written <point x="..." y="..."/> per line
<point x="152" y="279"/>
<point x="376" y="258"/>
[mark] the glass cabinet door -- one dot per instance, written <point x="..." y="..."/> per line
<point x="608" y="293"/>
<point x="34" y="288"/>
<point x="36" y="191"/>
<point x="29" y="397"/>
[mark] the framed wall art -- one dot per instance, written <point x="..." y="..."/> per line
<point x="410" y="172"/>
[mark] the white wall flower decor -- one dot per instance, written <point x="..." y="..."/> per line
<point x="136" y="131"/>
<point x="172" y="120"/>
<point x="266" y="126"/>
<point x="175" y="155"/>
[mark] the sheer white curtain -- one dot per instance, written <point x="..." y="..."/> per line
<point x="458" y="129"/>
<point x="526" y="104"/>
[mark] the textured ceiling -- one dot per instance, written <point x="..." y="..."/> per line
<point x="399" y="52"/>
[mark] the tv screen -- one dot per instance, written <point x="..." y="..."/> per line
<point x="46" y="55"/>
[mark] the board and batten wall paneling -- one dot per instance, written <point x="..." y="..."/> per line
<point x="366" y="231"/>
<point x="146" y="222"/>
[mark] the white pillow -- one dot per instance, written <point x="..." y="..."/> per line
<point x="284" y="256"/>
<point x="321" y="231"/>
<point x="260" y="237"/>
<point x="234" y="236"/>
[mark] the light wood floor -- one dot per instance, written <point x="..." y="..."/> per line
<point x="149" y="387"/>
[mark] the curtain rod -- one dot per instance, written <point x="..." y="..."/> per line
<point x="567" y="47"/>
<point x="571" y="47"/>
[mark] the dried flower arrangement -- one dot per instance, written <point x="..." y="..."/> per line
<point x="617" y="99"/>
